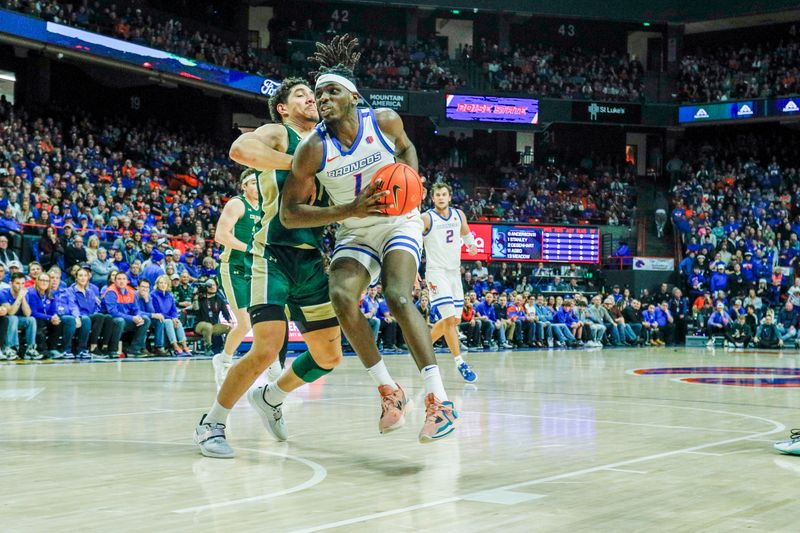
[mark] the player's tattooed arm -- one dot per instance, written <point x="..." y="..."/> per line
<point x="263" y="149"/>
<point x="296" y="209"/>
<point x="391" y="126"/>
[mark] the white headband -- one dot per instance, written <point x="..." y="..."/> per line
<point x="335" y="78"/>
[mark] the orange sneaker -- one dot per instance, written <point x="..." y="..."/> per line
<point x="393" y="408"/>
<point x="440" y="419"/>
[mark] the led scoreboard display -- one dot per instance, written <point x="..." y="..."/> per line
<point x="571" y="244"/>
<point x="557" y="244"/>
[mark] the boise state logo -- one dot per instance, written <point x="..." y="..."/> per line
<point x="737" y="376"/>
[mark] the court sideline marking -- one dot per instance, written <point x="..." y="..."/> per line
<point x="365" y="518"/>
<point x="319" y="471"/>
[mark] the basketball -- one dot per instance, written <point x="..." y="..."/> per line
<point x="405" y="186"/>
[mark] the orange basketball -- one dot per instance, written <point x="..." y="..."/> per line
<point x="404" y="186"/>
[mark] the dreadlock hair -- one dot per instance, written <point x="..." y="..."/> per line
<point x="281" y="96"/>
<point x="338" y="57"/>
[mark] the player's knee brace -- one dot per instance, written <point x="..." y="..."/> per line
<point x="307" y="369"/>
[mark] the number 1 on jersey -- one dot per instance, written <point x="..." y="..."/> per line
<point x="358" y="183"/>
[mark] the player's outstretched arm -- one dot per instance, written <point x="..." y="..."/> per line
<point x="231" y="213"/>
<point x="391" y="126"/>
<point x="296" y="210"/>
<point x="263" y="149"/>
<point x="466" y="234"/>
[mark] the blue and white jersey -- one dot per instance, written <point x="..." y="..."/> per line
<point x="443" y="241"/>
<point x="345" y="172"/>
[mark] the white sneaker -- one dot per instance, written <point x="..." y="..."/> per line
<point x="221" y="368"/>
<point x="274" y="371"/>
<point x="791" y="445"/>
<point x="211" y="440"/>
<point x="271" y="415"/>
<point x="711" y="342"/>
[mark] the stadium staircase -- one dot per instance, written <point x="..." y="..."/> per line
<point x="473" y="74"/>
<point x="659" y="86"/>
<point x="651" y="197"/>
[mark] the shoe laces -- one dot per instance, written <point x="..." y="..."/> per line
<point x="432" y="407"/>
<point x="391" y="400"/>
<point x="795" y="434"/>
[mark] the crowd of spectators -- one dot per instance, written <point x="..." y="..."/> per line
<point x="735" y="210"/>
<point x="398" y="66"/>
<point x="384" y="63"/>
<point x="511" y="306"/>
<point x="106" y="197"/>
<point x="47" y="314"/>
<point x="743" y="70"/>
<point x="558" y="73"/>
<point x="554" y="194"/>
<point x="134" y="25"/>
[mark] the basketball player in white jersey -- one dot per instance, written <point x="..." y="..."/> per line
<point x="350" y="146"/>
<point x="444" y="228"/>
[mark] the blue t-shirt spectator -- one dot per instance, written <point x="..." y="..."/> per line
<point x="487" y="310"/>
<point x="662" y="317"/>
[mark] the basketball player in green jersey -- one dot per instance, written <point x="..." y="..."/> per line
<point x="236" y="226"/>
<point x="287" y="271"/>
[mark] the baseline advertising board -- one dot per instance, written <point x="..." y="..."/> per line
<point x="295" y="340"/>
<point x="142" y="56"/>
<point x="492" y="109"/>
<point x="548" y="244"/>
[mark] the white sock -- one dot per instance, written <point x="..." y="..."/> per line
<point x="226" y="357"/>
<point x="217" y="414"/>
<point x="273" y="394"/>
<point x="458" y="360"/>
<point x="433" y="382"/>
<point x="380" y="374"/>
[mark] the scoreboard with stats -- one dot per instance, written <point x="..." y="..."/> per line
<point x="548" y="244"/>
<point x="570" y="244"/>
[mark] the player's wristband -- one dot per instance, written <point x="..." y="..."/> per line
<point x="469" y="239"/>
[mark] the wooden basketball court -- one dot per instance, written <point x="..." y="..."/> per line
<point x="548" y="440"/>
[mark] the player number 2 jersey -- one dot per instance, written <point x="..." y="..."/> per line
<point x="443" y="241"/>
<point x="345" y="172"/>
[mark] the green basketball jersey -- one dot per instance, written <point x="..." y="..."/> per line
<point x="244" y="230"/>
<point x="270" y="230"/>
